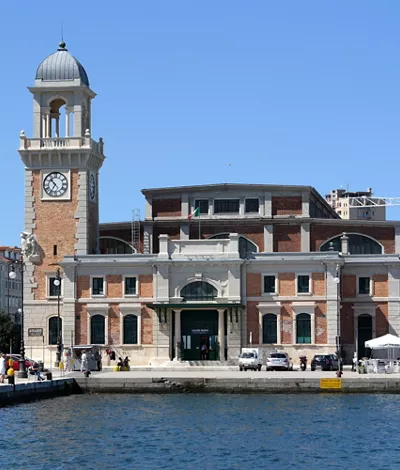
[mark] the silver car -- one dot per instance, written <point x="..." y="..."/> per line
<point x="279" y="361"/>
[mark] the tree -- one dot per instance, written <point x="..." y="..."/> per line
<point x="6" y="331"/>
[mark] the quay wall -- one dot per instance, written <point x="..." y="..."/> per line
<point x="32" y="391"/>
<point x="235" y="385"/>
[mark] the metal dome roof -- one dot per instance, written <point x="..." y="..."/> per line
<point x="61" y="66"/>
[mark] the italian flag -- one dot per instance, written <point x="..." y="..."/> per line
<point x="195" y="213"/>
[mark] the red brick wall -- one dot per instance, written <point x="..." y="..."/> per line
<point x="253" y="284"/>
<point x="114" y="286"/>
<point x="253" y="322"/>
<point x="287" y="205"/>
<point x="380" y="283"/>
<point x="146" y="285"/>
<point x="55" y="225"/>
<point x="286" y="323"/>
<point x="114" y="325"/>
<point x="347" y="323"/>
<point x="147" y="325"/>
<point x="83" y="287"/>
<point x="287" y="238"/>
<point x="320" y="233"/>
<point x="167" y="207"/>
<point x="321" y="333"/>
<point x="81" y="317"/>
<point x="382" y="323"/>
<point x="173" y="232"/>
<point x="287" y="284"/>
<point x="254" y="233"/>
<point x="349" y="286"/>
<point x="318" y="283"/>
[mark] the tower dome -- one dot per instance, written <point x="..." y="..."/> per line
<point x="61" y="66"/>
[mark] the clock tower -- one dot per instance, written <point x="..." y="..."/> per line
<point x="62" y="164"/>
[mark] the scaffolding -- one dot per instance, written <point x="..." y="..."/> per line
<point x="374" y="201"/>
<point x="135" y="231"/>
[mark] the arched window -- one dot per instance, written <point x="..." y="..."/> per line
<point x="130" y="329"/>
<point x="199" y="290"/>
<point x="53" y="329"/>
<point x="115" y="246"/>
<point x="245" y="245"/>
<point x="269" y="325"/>
<point x="303" y="328"/>
<point x="97" y="329"/>
<point x="358" y="245"/>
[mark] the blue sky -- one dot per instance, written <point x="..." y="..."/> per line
<point x="286" y="92"/>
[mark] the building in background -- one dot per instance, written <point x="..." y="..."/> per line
<point x="357" y="205"/>
<point x="10" y="290"/>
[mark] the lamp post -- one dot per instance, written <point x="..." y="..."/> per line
<point x="19" y="265"/>
<point x="57" y="283"/>
<point x="336" y="280"/>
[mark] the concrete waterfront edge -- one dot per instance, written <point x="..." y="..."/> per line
<point x="233" y="385"/>
<point x="32" y="391"/>
<point x="26" y="392"/>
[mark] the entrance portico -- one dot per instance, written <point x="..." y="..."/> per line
<point x="217" y="326"/>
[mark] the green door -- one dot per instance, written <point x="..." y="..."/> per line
<point x="199" y="335"/>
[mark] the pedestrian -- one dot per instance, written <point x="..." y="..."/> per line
<point x="354" y="364"/>
<point x="83" y="361"/>
<point x="2" y="367"/>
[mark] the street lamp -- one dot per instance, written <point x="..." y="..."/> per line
<point x="336" y="280"/>
<point x="57" y="283"/>
<point x="12" y="267"/>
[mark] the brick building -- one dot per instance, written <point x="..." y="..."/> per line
<point x="267" y="265"/>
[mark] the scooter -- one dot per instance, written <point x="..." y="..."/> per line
<point x="303" y="362"/>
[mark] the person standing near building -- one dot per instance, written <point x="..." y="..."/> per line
<point x="84" y="362"/>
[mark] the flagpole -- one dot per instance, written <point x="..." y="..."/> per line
<point x="199" y="228"/>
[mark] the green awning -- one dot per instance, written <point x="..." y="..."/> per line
<point x="186" y="306"/>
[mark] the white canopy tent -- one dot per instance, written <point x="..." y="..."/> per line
<point x="383" y="342"/>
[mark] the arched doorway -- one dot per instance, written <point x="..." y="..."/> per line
<point x="364" y="332"/>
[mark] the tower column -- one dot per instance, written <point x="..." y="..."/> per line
<point x="48" y="125"/>
<point x="67" y="123"/>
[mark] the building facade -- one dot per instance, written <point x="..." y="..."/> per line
<point x="357" y="205"/>
<point x="227" y="265"/>
<point x="10" y="289"/>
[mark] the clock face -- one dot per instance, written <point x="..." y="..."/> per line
<point x="92" y="187"/>
<point x="55" y="184"/>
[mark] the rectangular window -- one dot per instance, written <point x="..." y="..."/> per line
<point x="226" y="206"/>
<point x="97" y="286"/>
<point x="269" y="285"/>
<point x="55" y="250"/>
<point x="252" y="205"/>
<point x="202" y="204"/>
<point x="130" y="286"/>
<point x="54" y="290"/>
<point x="363" y="285"/>
<point x="303" y="284"/>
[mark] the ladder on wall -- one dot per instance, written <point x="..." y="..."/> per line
<point x="136" y="230"/>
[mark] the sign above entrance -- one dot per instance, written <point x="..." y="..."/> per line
<point x="200" y="331"/>
<point x="35" y="331"/>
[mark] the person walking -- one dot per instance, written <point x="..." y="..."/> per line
<point x="84" y="362"/>
<point x="2" y="367"/>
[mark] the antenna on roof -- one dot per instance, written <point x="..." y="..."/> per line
<point x="62" y="30"/>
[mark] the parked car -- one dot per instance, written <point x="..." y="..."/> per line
<point x="16" y="357"/>
<point x="279" y="361"/>
<point x="325" y="362"/>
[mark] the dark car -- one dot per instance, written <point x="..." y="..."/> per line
<point x="325" y="362"/>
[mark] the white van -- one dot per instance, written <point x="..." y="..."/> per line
<point x="250" y="358"/>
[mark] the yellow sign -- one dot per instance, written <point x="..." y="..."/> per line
<point x="330" y="384"/>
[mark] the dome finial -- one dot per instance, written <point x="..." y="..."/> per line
<point x="62" y="46"/>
